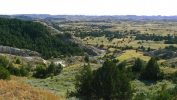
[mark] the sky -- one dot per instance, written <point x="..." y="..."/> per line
<point x="89" y="7"/>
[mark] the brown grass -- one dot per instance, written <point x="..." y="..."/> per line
<point x="11" y="90"/>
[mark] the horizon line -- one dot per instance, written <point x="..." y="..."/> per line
<point x="87" y="14"/>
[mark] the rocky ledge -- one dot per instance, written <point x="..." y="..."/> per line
<point x="17" y="51"/>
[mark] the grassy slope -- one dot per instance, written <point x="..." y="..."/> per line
<point x="60" y="83"/>
<point x="150" y="87"/>
<point x="13" y="90"/>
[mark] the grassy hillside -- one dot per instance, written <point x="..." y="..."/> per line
<point x="35" y="36"/>
<point x="58" y="84"/>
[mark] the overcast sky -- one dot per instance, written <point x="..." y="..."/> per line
<point x="89" y="7"/>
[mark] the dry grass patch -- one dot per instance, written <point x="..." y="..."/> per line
<point x="168" y="70"/>
<point x="72" y="67"/>
<point x="111" y="49"/>
<point x="11" y="90"/>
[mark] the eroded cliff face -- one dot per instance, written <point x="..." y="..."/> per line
<point x="90" y="49"/>
<point x="17" y="51"/>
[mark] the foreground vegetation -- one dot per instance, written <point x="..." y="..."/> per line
<point x="107" y="82"/>
<point x="112" y="81"/>
<point x="21" y="91"/>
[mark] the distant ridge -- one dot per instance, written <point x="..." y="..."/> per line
<point x="47" y="16"/>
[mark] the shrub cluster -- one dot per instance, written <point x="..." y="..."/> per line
<point x="42" y="71"/>
<point x="7" y="69"/>
<point x="149" y="71"/>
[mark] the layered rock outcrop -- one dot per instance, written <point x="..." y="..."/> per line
<point x="17" y="51"/>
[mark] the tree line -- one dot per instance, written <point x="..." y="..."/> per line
<point x="108" y="34"/>
<point x="153" y="37"/>
<point x="169" y="39"/>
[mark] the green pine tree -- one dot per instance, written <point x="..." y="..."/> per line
<point x="152" y="71"/>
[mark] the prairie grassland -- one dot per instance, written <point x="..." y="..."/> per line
<point x="168" y="70"/>
<point x="126" y="42"/>
<point x="151" y="27"/>
<point x="97" y="40"/>
<point x="152" y="44"/>
<point x="159" y="26"/>
<point x="145" y="29"/>
<point x="132" y="54"/>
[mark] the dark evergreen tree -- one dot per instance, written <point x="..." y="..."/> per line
<point x="51" y="68"/>
<point x="83" y="84"/>
<point x="122" y="65"/>
<point x="86" y="58"/>
<point x="152" y="71"/>
<point x="58" y="69"/>
<point x="111" y="83"/>
<point x="106" y="83"/>
<point x="138" y="65"/>
<point x="148" y="49"/>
